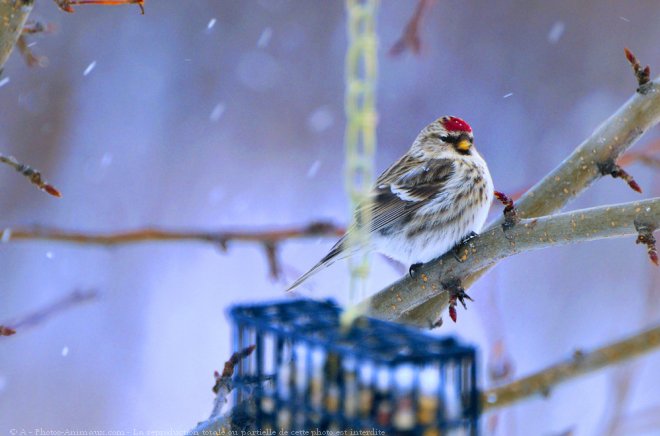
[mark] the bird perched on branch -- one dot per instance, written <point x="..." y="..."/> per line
<point x="433" y="198"/>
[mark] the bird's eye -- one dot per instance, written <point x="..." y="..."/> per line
<point x="448" y="139"/>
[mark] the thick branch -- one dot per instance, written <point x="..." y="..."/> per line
<point x="567" y="181"/>
<point x="160" y="235"/>
<point x="580" y="363"/>
<point x="13" y="14"/>
<point x="495" y="244"/>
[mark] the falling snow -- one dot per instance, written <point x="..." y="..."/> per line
<point x="217" y="112"/>
<point x="89" y="68"/>
<point x="507" y="95"/>
<point x="4" y="81"/>
<point x="625" y="19"/>
<point x="6" y="235"/>
<point x="217" y="194"/>
<point x="321" y="119"/>
<point x="556" y="31"/>
<point x="211" y="24"/>
<point x="258" y="70"/>
<point x="65" y="351"/>
<point x="311" y="172"/>
<point x="50" y="255"/>
<point x="264" y="38"/>
<point x="106" y="160"/>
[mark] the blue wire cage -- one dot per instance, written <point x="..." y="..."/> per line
<point x="309" y="373"/>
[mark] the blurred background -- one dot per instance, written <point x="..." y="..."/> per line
<point x="217" y="115"/>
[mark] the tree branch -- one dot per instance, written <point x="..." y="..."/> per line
<point x="580" y="363"/>
<point x="397" y="301"/>
<point x="13" y="14"/>
<point x="220" y="237"/>
<point x="416" y="303"/>
<point x="269" y="239"/>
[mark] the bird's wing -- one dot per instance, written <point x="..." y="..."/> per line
<point x="405" y="187"/>
<point x="401" y="190"/>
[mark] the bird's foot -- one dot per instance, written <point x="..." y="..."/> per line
<point x="456" y="294"/>
<point x="456" y="251"/>
<point x="414" y="268"/>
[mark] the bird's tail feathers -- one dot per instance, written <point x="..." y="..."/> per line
<point x="336" y="253"/>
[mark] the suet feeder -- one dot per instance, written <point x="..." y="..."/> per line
<point x="308" y="373"/>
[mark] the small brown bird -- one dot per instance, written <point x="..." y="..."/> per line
<point x="430" y="200"/>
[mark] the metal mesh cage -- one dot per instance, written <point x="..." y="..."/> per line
<point x="306" y="373"/>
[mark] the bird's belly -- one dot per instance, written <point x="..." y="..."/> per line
<point x="424" y="246"/>
<point x="432" y="240"/>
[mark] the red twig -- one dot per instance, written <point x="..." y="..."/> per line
<point x="31" y="174"/>
<point x="645" y="236"/>
<point x="510" y="216"/>
<point x="645" y="155"/>
<point x="67" y="5"/>
<point x="6" y="331"/>
<point x="41" y="315"/>
<point x="643" y="75"/>
<point x="456" y="295"/>
<point x="615" y="170"/>
<point x="228" y="371"/>
<point x="410" y="39"/>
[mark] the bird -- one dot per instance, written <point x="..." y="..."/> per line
<point x="436" y="196"/>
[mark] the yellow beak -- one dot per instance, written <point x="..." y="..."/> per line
<point x="463" y="145"/>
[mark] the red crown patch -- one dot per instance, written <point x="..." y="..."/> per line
<point x="453" y="124"/>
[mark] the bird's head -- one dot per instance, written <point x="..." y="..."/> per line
<point x="446" y="135"/>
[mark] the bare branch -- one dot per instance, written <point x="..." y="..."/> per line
<point x="400" y="299"/>
<point x="220" y="237"/>
<point x="40" y="316"/>
<point x="580" y="363"/>
<point x="553" y="192"/>
<point x="31" y="174"/>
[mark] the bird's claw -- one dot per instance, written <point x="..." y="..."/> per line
<point x="414" y="268"/>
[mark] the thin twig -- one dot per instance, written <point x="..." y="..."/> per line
<point x="269" y="239"/>
<point x="580" y="363"/>
<point x="6" y="331"/>
<point x="67" y="5"/>
<point x="31" y="174"/>
<point x="217" y="423"/>
<point x="410" y="39"/>
<point x="43" y="314"/>
<point x="643" y="75"/>
<point x="220" y="237"/>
